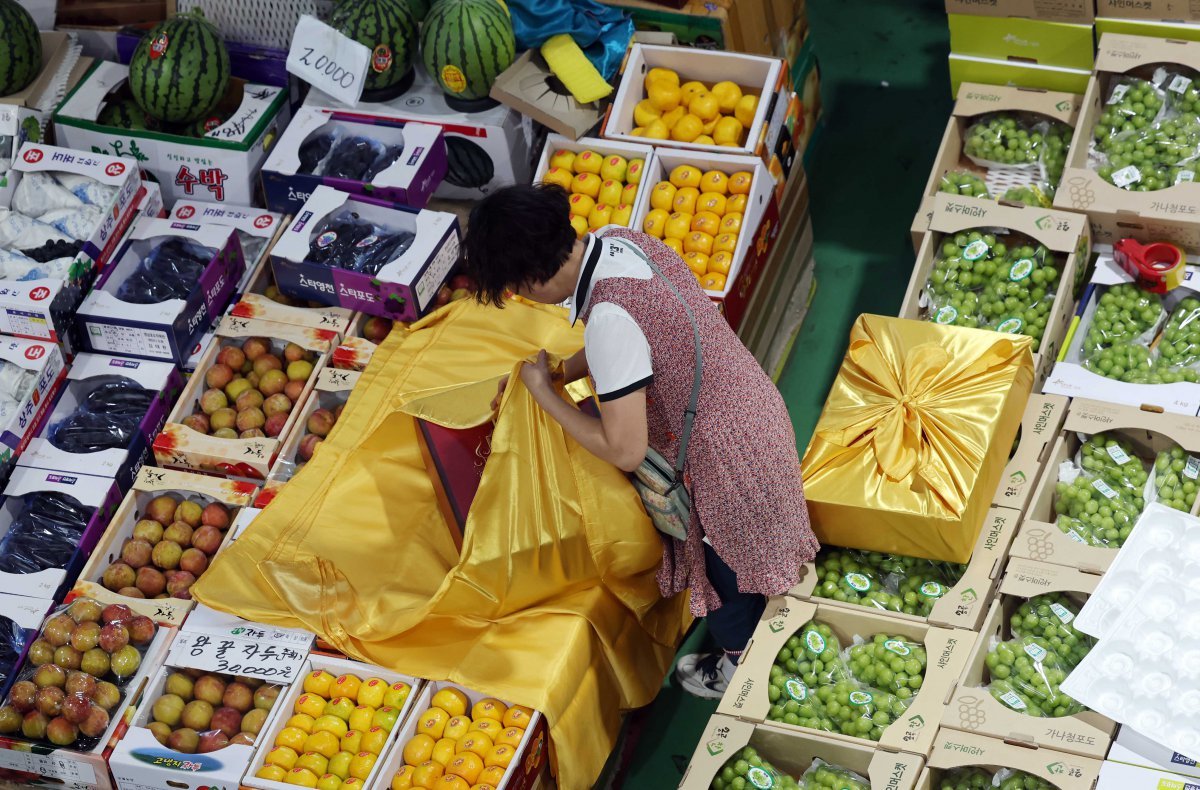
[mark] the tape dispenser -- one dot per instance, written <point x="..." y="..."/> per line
<point x="1157" y="267"/>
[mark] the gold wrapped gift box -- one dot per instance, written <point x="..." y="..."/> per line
<point x="914" y="436"/>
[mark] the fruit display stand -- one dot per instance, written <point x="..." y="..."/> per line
<point x="1170" y="213"/>
<point x="320" y="412"/>
<point x="753" y="74"/>
<point x="1092" y="341"/>
<point x="73" y="421"/>
<point x="1130" y="433"/>
<point x="293" y="703"/>
<point x="209" y="531"/>
<point x="403" y="288"/>
<point x="912" y="731"/>
<point x="46" y="369"/>
<point x="962" y="604"/>
<point x="1013" y="297"/>
<point x="566" y="162"/>
<point x="359" y="343"/>
<point x="955" y="753"/>
<point x="523" y="765"/>
<point x="747" y="255"/>
<point x="1044" y="415"/>
<point x="232" y="706"/>
<point x="25" y="762"/>
<point x="972" y="707"/>
<point x="42" y="308"/>
<point x="725" y="739"/>
<point x="96" y="497"/>
<point x="976" y="104"/>
<point x="20" y="615"/>
<point x="222" y="166"/>
<point x="406" y="164"/>
<point x="256" y="228"/>
<point x="179" y="446"/>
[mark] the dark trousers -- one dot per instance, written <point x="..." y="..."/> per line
<point x="732" y="624"/>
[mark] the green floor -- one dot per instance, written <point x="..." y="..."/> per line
<point x="887" y="96"/>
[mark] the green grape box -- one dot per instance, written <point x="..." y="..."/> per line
<point x="971" y="707"/>
<point x="1156" y="28"/>
<point x="725" y="737"/>
<point x="962" y="605"/>
<point x="1145" y="431"/>
<point x="954" y="749"/>
<point x="1046" y="43"/>
<point x="911" y="732"/>
<point x="1171" y="213"/>
<point x="1035" y="76"/>
<point x="1065" y="239"/>
<point x="1147" y="10"/>
<point x="1121" y="776"/>
<point x="1044" y="415"/>
<point x="974" y="102"/>
<point x="1077" y="11"/>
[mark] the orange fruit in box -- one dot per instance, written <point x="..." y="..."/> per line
<point x="655" y="222"/>
<point x="736" y="203"/>
<point x="323" y="743"/>
<point x="728" y="131"/>
<point x="704" y="106"/>
<point x="451" y="700"/>
<point x="747" y="108"/>
<point x="633" y="173"/>
<point x="670" y="119"/>
<point x="714" y="181"/>
<point x="707" y="222"/>
<point x="581" y="205"/>
<point x="601" y="215"/>
<point x="610" y="193"/>
<point x="428" y="772"/>
<point x="373" y="740"/>
<point x="697" y="241"/>
<point x="492" y="775"/>
<point x="511" y="737"/>
<point x="433" y="722"/>
<point x="499" y="756"/>
<point x="448" y="782"/>
<point x="697" y="262"/>
<point x="685" y="200"/>
<point x="704" y="139"/>
<point x="478" y="742"/>
<point x="283" y="756"/>
<point x="657" y="130"/>
<point x="580" y="224"/>
<point x="468" y="765"/>
<point x="300" y="777"/>
<point x="346" y="686"/>
<point x="564" y="158"/>
<point x="559" y="177"/>
<point x="629" y="194"/>
<point x="711" y="126"/>
<point x="586" y="184"/>
<point x="726" y="242"/>
<point x="444" y="751"/>
<point x="664" y="96"/>
<point x="713" y="282"/>
<point x="291" y="737"/>
<point x="686" y="176"/>
<point x="489" y="727"/>
<point x="614" y="168"/>
<point x="361" y="765"/>
<point x="403" y="778"/>
<point x="674" y="244"/>
<point x="301" y="721"/>
<point x="720" y="263"/>
<point x="728" y="95"/>
<point x="588" y="162"/>
<point x="339" y="764"/>
<point x="638" y="131"/>
<point x="318" y="682"/>
<point x="457" y="727"/>
<point x="739" y="183"/>
<point x="731" y="222"/>
<point x="272" y="773"/>
<point x="622" y="214"/>
<point x="678" y="225"/>
<point x="663" y="195"/>
<point x="712" y="201"/>
<point x="353" y="783"/>
<point x="310" y="705"/>
<point x="645" y="113"/>
<point x="687" y="129"/>
<point x="690" y="89"/>
<point x="418" y="749"/>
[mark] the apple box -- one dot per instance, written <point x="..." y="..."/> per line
<point x="792" y="753"/>
<point x="958" y="750"/>
<point x="179" y="446"/>
<point x="558" y="150"/>
<point x="222" y="165"/>
<point x="913" y="731"/>
<point x="42" y="308"/>
<point x="961" y="605"/>
<point x="1071" y="375"/>
<point x="1147" y="432"/>
<point x="972" y="707"/>
<point x="393" y="160"/>
<point x="21" y="616"/>
<point x="136" y="308"/>
<point x="331" y="392"/>
<point x="153" y="484"/>
<point x="91" y="500"/>
<point x="39" y="371"/>
<point x="528" y="759"/>
<point x="209" y="641"/>
<point x="337" y="667"/>
<point x="401" y="256"/>
<point x="98" y="385"/>
<point x="256" y="230"/>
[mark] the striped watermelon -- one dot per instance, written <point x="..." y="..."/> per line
<point x="180" y="69"/>
<point x="20" y="50"/>
<point x="123" y="114"/>
<point x="389" y="29"/>
<point x="468" y="165"/>
<point x="466" y="44"/>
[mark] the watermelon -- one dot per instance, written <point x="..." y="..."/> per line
<point x="389" y="29"/>
<point x="468" y="165"/>
<point x="180" y="69"/>
<point x="466" y="44"/>
<point x="123" y="114"/>
<point x="21" y="53"/>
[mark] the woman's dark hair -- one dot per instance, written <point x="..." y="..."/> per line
<point x="516" y="236"/>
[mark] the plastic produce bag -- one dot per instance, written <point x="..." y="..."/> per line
<point x="44" y="534"/>
<point x="968" y="778"/>
<point x="795" y="702"/>
<point x="1180" y="343"/>
<point x="349" y="242"/>
<point x="890" y="663"/>
<point x="847" y="577"/>
<point x="1112" y="459"/>
<point x="1092" y="512"/>
<point x="860" y="711"/>
<point x="814" y="654"/>
<point x="12" y="642"/>
<point x="889" y="582"/>
<point x="170" y="271"/>
<point x="385" y="160"/>
<point x="39" y="193"/>
<point x="1125" y="321"/>
<point x="823" y="776"/>
<point x="12" y="225"/>
<point x="87" y="189"/>
<point x="1018" y="301"/>
<point x="1132" y="104"/>
<point x="1026" y="675"/>
<point x="352" y="158"/>
<point x="1175" y="476"/>
<point x="1008" y="779"/>
<point x="74" y="223"/>
<point x="747" y="770"/>
<point x="963" y="182"/>
<point x="106" y="419"/>
<point x="315" y="150"/>
<point x="1051" y="617"/>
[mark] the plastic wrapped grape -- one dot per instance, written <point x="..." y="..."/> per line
<point x="1132" y="364"/>
<point x="849" y="578"/>
<point x="970" y="778"/>
<point x="967" y="262"/>
<point x="1003" y="139"/>
<point x="960" y="308"/>
<point x="1123" y="314"/>
<point x="1008" y="779"/>
<point x="1162" y="373"/>
<point x="1175" y="474"/>
<point x="1054" y="153"/>
<point x="1132" y="104"/>
<point x="1112" y="459"/>
<point x="1038" y="195"/>
<point x="960" y="182"/>
<point x="1093" y="513"/>
<point x="919" y="592"/>
<point x="891" y="663"/>
<point x="860" y="711"/>
<point x="1180" y="343"/>
<point x="794" y="702"/>
<point x="823" y="776"/>
<point x="1051" y="617"/>
<point x="1018" y="301"/>
<point x="747" y="769"/>
<point x="1028" y="666"/>
<point x="814" y="654"/>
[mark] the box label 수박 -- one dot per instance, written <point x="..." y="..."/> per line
<point x="130" y="340"/>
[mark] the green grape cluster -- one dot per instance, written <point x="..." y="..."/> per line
<point x="1019" y="780"/>
<point x="970" y="778"/>
<point x="1175" y="474"/>
<point x="1180" y="343"/>
<point x="860" y="711"/>
<point x="1051" y="617"/>
<point x="891" y="663"/>
<point x="1054" y="154"/>
<point x="968" y="261"/>
<point x="846" y="577"/>
<point x="961" y="182"/>
<point x="823" y="776"/>
<point x="1002" y="138"/>
<point x="1094" y="513"/>
<point x="795" y="702"/>
<point x="1128" y="363"/>
<point x="1132" y="104"/>
<point x="1147" y="151"/>
<point x="1025" y="676"/>
<point x="1040" y="196"/>
<point x="1123" y="313"/>
<point x="1112" y="458"/>
<point x="747" y="770"/>
<point x="1164" y="373"/>
<point x="813" y="654"/>
<point x="890" y="582"/>
<point x="1018" y="301"/>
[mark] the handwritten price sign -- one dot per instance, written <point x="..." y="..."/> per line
<point x="237" y="656"/>
<point x="328" y="60"/>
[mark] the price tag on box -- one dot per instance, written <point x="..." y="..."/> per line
<point x="236" y="656"/>
<point x="331" y="62"/>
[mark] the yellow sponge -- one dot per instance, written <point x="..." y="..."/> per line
<point x="574" y="70"/>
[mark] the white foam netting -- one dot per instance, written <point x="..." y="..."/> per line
<point x="267" y="23"/>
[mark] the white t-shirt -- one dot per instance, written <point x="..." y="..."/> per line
<point x="617" y="352"/>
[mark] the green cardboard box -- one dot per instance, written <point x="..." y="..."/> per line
<point x="965" y="68"/>
<point x="1027" y="40"/>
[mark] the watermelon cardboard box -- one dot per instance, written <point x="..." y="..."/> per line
<point x="392" y="160"/>
<point x="104" y="418"/>
<point x="88" y="202"/>
<point x="400" y="256"/>
<point x="49" y="524"/>
<point x="33" y="371"/>
<point x="256" y="230"/>
<point x="169" y="281"/>
<point x="221" y="166"/>
<point x="21" y="616"/>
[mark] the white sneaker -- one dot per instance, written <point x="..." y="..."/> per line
<point x="705" y="675"/>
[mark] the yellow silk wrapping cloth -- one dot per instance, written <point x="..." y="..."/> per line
<point x="914" y="436"/>
<point x="552" y="602"/>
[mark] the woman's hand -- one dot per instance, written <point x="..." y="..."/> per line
<point x="499" y="394"/>
<point x="536" y="376"/>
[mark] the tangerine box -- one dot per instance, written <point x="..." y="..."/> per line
<point x="604" y="149"/>
<point x="913" y="732"/>
<point x="150" y="484"/>
<point x="256" y="229"/>
<point x="181" y="447"/>
<point x="955" y="750"/>
<point x="331" y="392"/>
<point x="528" y="758"/>
<point x="971" y="707"/>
